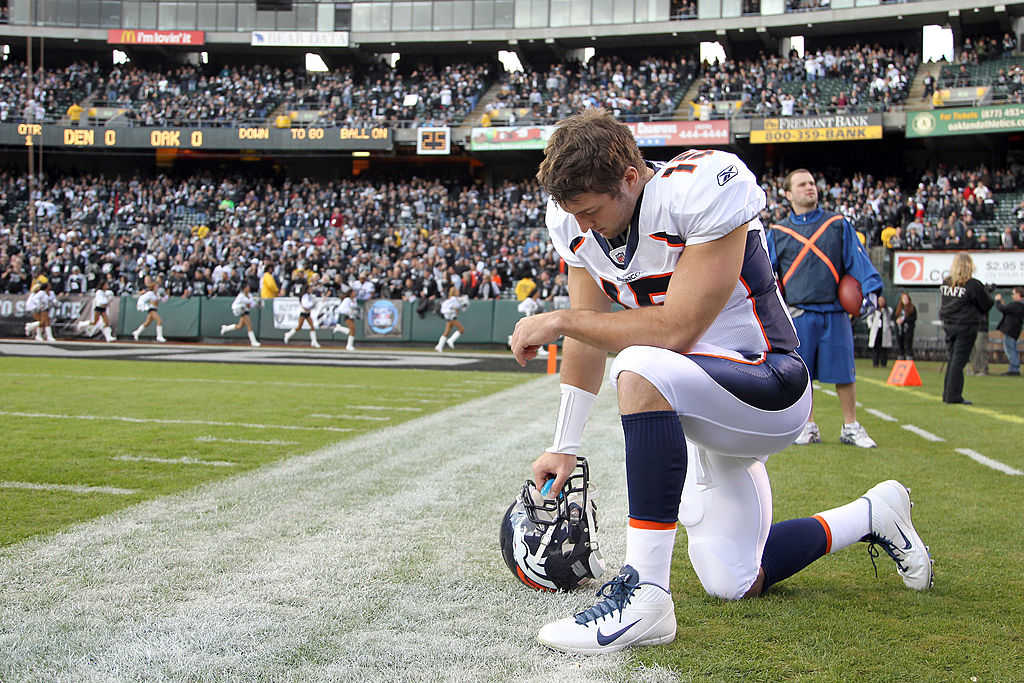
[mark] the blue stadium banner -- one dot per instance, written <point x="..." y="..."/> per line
<point x="261" y="137"/>
<point x="824" y="128"/>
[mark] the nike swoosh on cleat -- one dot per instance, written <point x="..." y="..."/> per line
<point x="607" y="640"/>
<point x="905" y="539"/>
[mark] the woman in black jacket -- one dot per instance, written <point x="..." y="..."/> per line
<point x="906" y="320"/>
<point x="964" y="302"/>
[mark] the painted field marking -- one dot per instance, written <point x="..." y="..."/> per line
<point x="184" y="460"/>
<point x="70" y="488"/>
<point x="408" y="409"/>
<point x="922" y="433"/>
<point x="257" y="442"/>
<point x="204" y="380"/>
<point x="916" y="393"/>
<point x="325" y="416"/>
<point x="879" y="414"/>
<point x="155" y="420"/>
<point x="829" y="392"/>
<point x="988" y="462"/>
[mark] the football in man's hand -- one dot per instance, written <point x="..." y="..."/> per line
<point x="850" y="296"/>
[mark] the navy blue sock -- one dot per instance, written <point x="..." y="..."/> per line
<point x="791" y="546"/>
<point x="655" y="465"/>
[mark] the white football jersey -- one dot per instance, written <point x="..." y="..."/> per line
<point x="307" y="302"/>
<point x="243" y="303"/>
<point x="450" y="308"/>
<point x="147" y="300"/>
<point x="697" y="197"/>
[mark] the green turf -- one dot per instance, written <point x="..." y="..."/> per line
<point x="46" y="450"/>
<point x="835" y="620"/>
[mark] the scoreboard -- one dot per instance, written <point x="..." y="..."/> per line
<point x="308" y="139"/>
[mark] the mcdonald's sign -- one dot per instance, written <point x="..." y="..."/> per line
<point x="132" y="36"/>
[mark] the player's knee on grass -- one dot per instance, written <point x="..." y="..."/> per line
<point x="720" y="576"/>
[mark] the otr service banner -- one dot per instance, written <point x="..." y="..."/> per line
<point x="965" y="121"/>
<point x="243" y="137"/>
<point x="652" y="134"/>
<point x="816" y="128"/>
<point x="1003" y="268"/>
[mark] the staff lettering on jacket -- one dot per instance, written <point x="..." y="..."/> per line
<point x="958" y="292"/>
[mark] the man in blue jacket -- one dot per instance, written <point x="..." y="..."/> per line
<point x="811" y="250"/>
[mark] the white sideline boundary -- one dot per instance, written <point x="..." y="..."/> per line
<point x="373" y="558"/>
<point x="328" y="416"/>
<point x="256" y="442"/>
<point x="70" y="488"/>
<point x="184" y="460"/>
<point x="880" y="415"/>
<point x="988" y="462"/>
<point x="923" y="433"/>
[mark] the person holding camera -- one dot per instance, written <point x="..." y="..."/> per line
<point x="964" y="301"/>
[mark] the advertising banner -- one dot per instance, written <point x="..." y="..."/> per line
<point x="653" y="134"/>
<point x="965" y="121"/>
<point x="680" y="133"/>
<point x="299" y="38"/>
<point x="137" y="36"/>
<point x="64" y="318"/>
<point x="287" y="309"/>
<point x="383" y="319"/>
<point x="816" y="128"/>
<point x="1002" y="268"/>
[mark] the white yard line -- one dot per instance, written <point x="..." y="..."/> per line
<point x="70" y="488"/>
<point x="184" y="460"/>
<point x="155" y="420"/>
<point x="829" y="392"/>
<point x="408" y="409"/>
<point x="880" y="415"/>
<point x="376" y="418"/>
<point x="988" y="462"/>
<point x="928" y="436"/>
<point x="256" y="442"/>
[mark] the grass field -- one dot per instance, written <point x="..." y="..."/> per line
<point x="324" y="555"/>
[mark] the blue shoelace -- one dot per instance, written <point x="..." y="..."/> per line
<point x="616" y="594"/>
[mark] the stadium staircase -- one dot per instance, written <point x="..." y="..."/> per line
<point x="684" y="110"/>
<point x="914" y="101"/>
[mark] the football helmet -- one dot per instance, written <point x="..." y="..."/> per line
<point x="550" y="543"/>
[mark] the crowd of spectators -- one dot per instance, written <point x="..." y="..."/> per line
<point x="51" y="93"/>
<point x="987" y="61"/>
<point x="862" y="78"/>
<point x="183" y="95"/>
<point x="408" y="239"/>
<point x="638" y="90"/>
<point x="949" y="208"/>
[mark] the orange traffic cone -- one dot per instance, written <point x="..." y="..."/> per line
<point x="904" y="374"/>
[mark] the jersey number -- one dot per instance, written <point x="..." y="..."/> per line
<point x="688" y="155"/>
<point x="647" y="291"/>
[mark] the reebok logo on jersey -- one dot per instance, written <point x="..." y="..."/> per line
<point x="727" y="174"/>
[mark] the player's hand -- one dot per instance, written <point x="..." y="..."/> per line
<point x="557" y="466"/>
<point x="532" y="332"/>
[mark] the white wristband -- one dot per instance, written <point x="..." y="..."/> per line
<point x="573" y="412"/>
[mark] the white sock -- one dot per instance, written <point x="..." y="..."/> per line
<point x="159" y="330"/>
<point x="442" y="340"/>
<point x="138" y="330"/>
<point x="312" y="338"/>
<point x="32" y="326"/>
<point x="252" y="338"/>
<point x="649" y="552"/>
<point x="847" y="524"/>
<point x="455" y="335"/>
<point x="107" y="333"/>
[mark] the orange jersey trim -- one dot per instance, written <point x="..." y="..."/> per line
<point x="753" y="307"/>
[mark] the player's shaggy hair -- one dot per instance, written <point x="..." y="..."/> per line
<point x="588" y="152"/>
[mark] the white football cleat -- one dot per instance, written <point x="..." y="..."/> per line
<point x="854" y="434"/>
<point x="810" y="434"/>
<point x="889" y="505"/>
<point x="630" y="613"/>
<point x="224" y="329"/>
<point x="161" y="339"/>
<point x="288" y="336"/>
